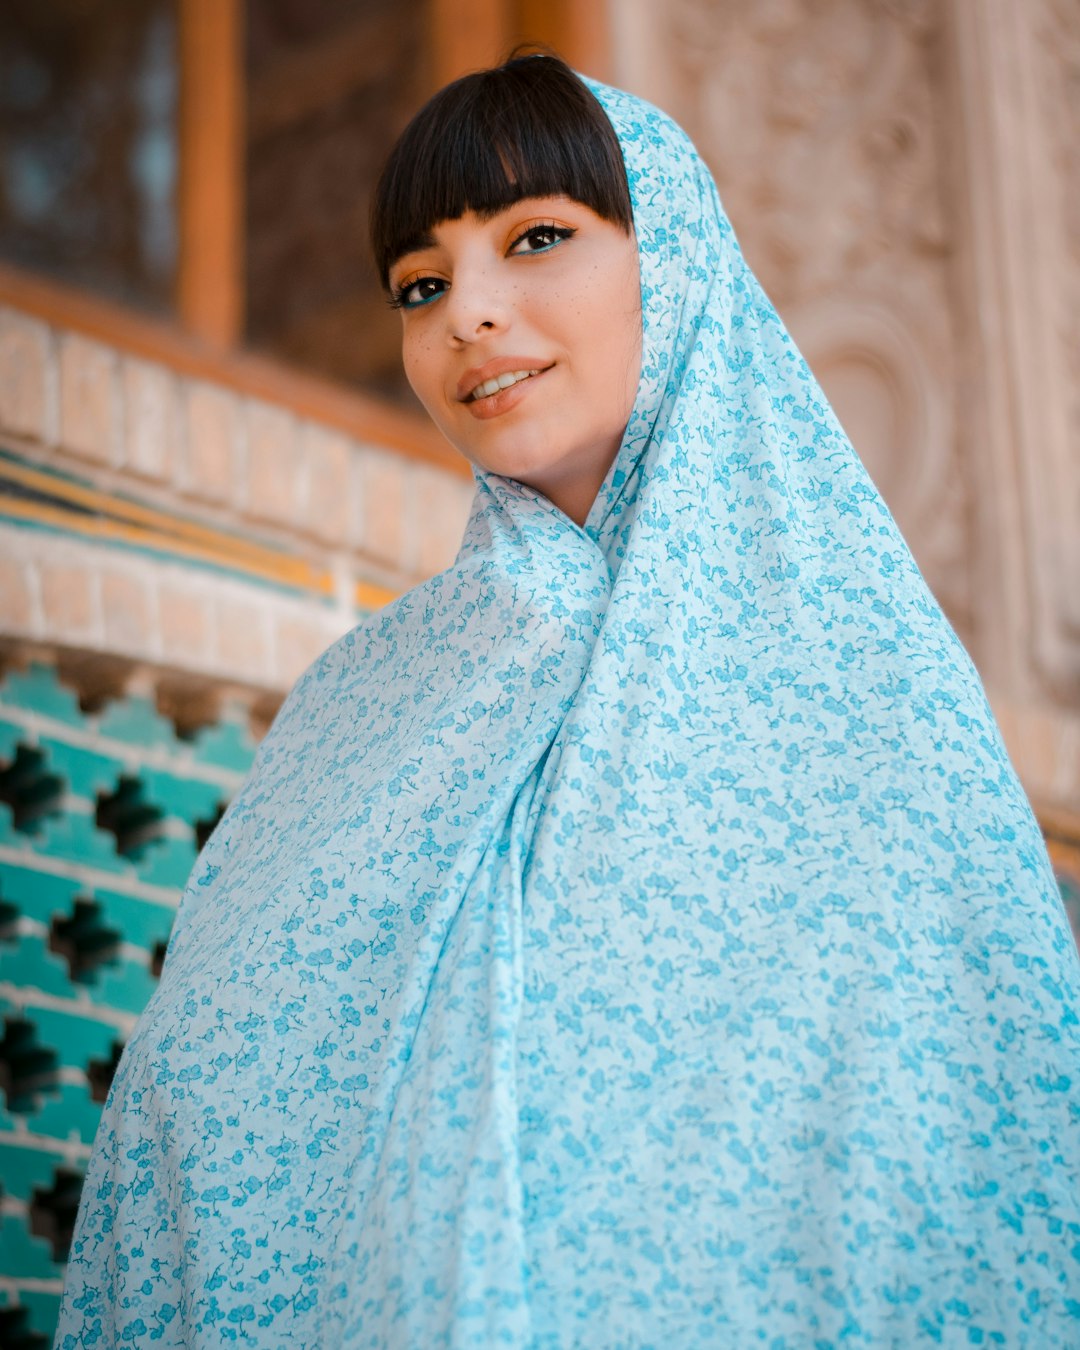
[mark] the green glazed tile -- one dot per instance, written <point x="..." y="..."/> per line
<point x="188" y="798"/>
<point x="167" y="862"/>
<point x="29" y="962"/>
<point x="228" y="745"/>
<point x="38" y="895"/>
<point x="23" y="1256"/>
<point x="136" y="721"/>
<point x="143" y="923"/>
<point x="71" y="1108"/>
<point x="38" y="690"/>
<point x="86" y="772"/>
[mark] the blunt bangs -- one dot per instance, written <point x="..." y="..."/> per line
<point x="529" y="128"/>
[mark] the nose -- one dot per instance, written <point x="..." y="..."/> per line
<point x="474" y="307"/>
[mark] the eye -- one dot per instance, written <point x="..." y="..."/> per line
<point x="419" y="291"/>
<point x="541" y="238"/>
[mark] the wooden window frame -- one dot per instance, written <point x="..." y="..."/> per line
<point x="205" y="337"/>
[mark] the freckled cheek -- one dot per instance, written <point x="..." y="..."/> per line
<point x="419" y="369"/>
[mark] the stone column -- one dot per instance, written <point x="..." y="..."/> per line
<point x="1013" y="73"/>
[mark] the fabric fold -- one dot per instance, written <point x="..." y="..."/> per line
<point x="322" y="1089"/>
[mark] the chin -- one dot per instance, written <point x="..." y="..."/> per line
<point x="529" y="474"/>
<point x="516" y="464"/>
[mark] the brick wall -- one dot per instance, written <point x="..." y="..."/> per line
<point x="371" y="518"/>
<point x="62" y="589"/>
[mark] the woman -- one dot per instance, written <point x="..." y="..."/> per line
<point x="635" y="935"/>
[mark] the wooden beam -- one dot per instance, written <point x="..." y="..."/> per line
<point x="210" y="274"/>
<point x="578" y="30"/>
<point x="468" y="35"/>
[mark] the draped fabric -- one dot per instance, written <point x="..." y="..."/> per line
<point x="633" y="936"/>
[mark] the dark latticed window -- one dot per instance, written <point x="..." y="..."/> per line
<point x="88" y="144"/>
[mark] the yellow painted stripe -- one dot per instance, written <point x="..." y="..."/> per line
<point x="282" y="569"/>
<point x="368" y="596"/>
<point x="160" y="522"/>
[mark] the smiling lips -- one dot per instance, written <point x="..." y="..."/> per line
<point x="487" y="390"/>
<point x="490" y="387"/>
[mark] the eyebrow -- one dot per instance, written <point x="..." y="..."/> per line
<point x="416" y="244"/>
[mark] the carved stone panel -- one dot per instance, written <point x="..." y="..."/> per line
<point x="1016" y="71"/>
<point x="904" y="177"/>
<point x="821" y="121"/>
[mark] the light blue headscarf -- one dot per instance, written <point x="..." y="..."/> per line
<point x="633" y="936"/>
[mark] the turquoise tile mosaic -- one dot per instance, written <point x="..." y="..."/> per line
<point x="101" y="817"/>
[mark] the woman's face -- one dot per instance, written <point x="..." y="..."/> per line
<point x="522" y="339"/>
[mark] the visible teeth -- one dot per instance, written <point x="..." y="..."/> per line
<point x="490" y="387"/>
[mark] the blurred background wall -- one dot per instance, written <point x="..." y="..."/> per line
<point x="210" y="466"/>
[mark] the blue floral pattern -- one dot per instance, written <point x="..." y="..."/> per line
<point x="633" y="936"/>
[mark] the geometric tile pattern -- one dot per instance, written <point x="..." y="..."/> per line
<point x="101" y="816"/>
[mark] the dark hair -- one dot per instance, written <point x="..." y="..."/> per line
<point x="528" y="128"/>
